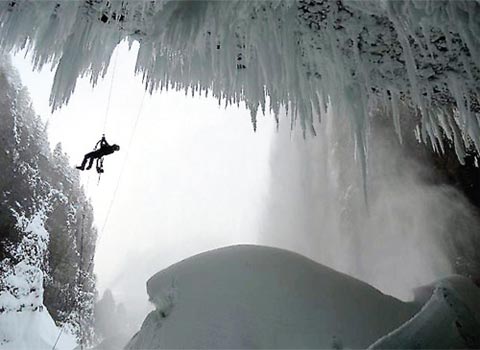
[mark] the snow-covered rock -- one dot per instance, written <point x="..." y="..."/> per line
<point x="449" y="320"/>
<point x="27" y="330"/>
<point x="261" y="297"/>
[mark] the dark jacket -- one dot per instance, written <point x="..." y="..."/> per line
<point x="104" y="149"/>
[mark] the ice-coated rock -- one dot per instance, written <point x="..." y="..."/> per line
<point x="261" y="297"/>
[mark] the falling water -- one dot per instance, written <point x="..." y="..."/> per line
<point x="403" y="234"/>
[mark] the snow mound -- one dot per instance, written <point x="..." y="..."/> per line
<point x="449" y="320"/>
<point x="261" y="297"/>
<point x="26" y="330"/>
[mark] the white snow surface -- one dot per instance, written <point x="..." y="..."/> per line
<point x="449" y="320"/>
<point x="28" y="330"/>
<point x="22" y="283"/>
<point x="25" y="323"/>
<point x="300" y="54"/>
<point x="261" y="297"/>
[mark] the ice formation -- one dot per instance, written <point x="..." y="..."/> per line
<point x="256" y="297"/>
<point x="302" y="55"/>
<point x="449" y="320"/>
<point x="315" y="207"/>
<point x="33" y="330"/>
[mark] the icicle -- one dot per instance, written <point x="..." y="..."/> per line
<point x="270" y="54"/>
<point x="396" y="114"/>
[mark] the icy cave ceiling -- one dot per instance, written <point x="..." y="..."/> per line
<point x="352" y="55"/>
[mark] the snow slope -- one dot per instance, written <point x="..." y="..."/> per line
<point x="25" y="322"/>
<point x="27" y="330"/>
<point x="261" y="297"/>
<point x="449" y="320"/>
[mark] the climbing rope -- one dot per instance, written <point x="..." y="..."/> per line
<point x="58" y="337"/>
<point x="123" y="164"/>
<point x="114" y="195"/>
<point x="107" y="109"/>
<point x="112" y="200"/>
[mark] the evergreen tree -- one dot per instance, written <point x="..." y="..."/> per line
<point x="47" y="237"/>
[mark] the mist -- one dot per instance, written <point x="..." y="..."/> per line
<point x="198" y="178"/>
<point x="190" y="176"/>
<point x="407" y="231"/>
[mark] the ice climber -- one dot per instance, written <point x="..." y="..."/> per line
<point x="102" y="148"/>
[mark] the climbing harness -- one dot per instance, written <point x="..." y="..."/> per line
<point x="99" y="161"/>
<point x="99" y="168"/>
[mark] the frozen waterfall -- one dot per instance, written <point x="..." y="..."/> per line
<point x="297" y="54"/>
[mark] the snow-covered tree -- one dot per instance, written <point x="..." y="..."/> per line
<point x="46" y="222"/>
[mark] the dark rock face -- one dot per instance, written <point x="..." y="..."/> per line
<point x="423" y="52"/>
<point x="466" y="178"/>
<point x="439" y="55"/>
<point x="379" y="39"/>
